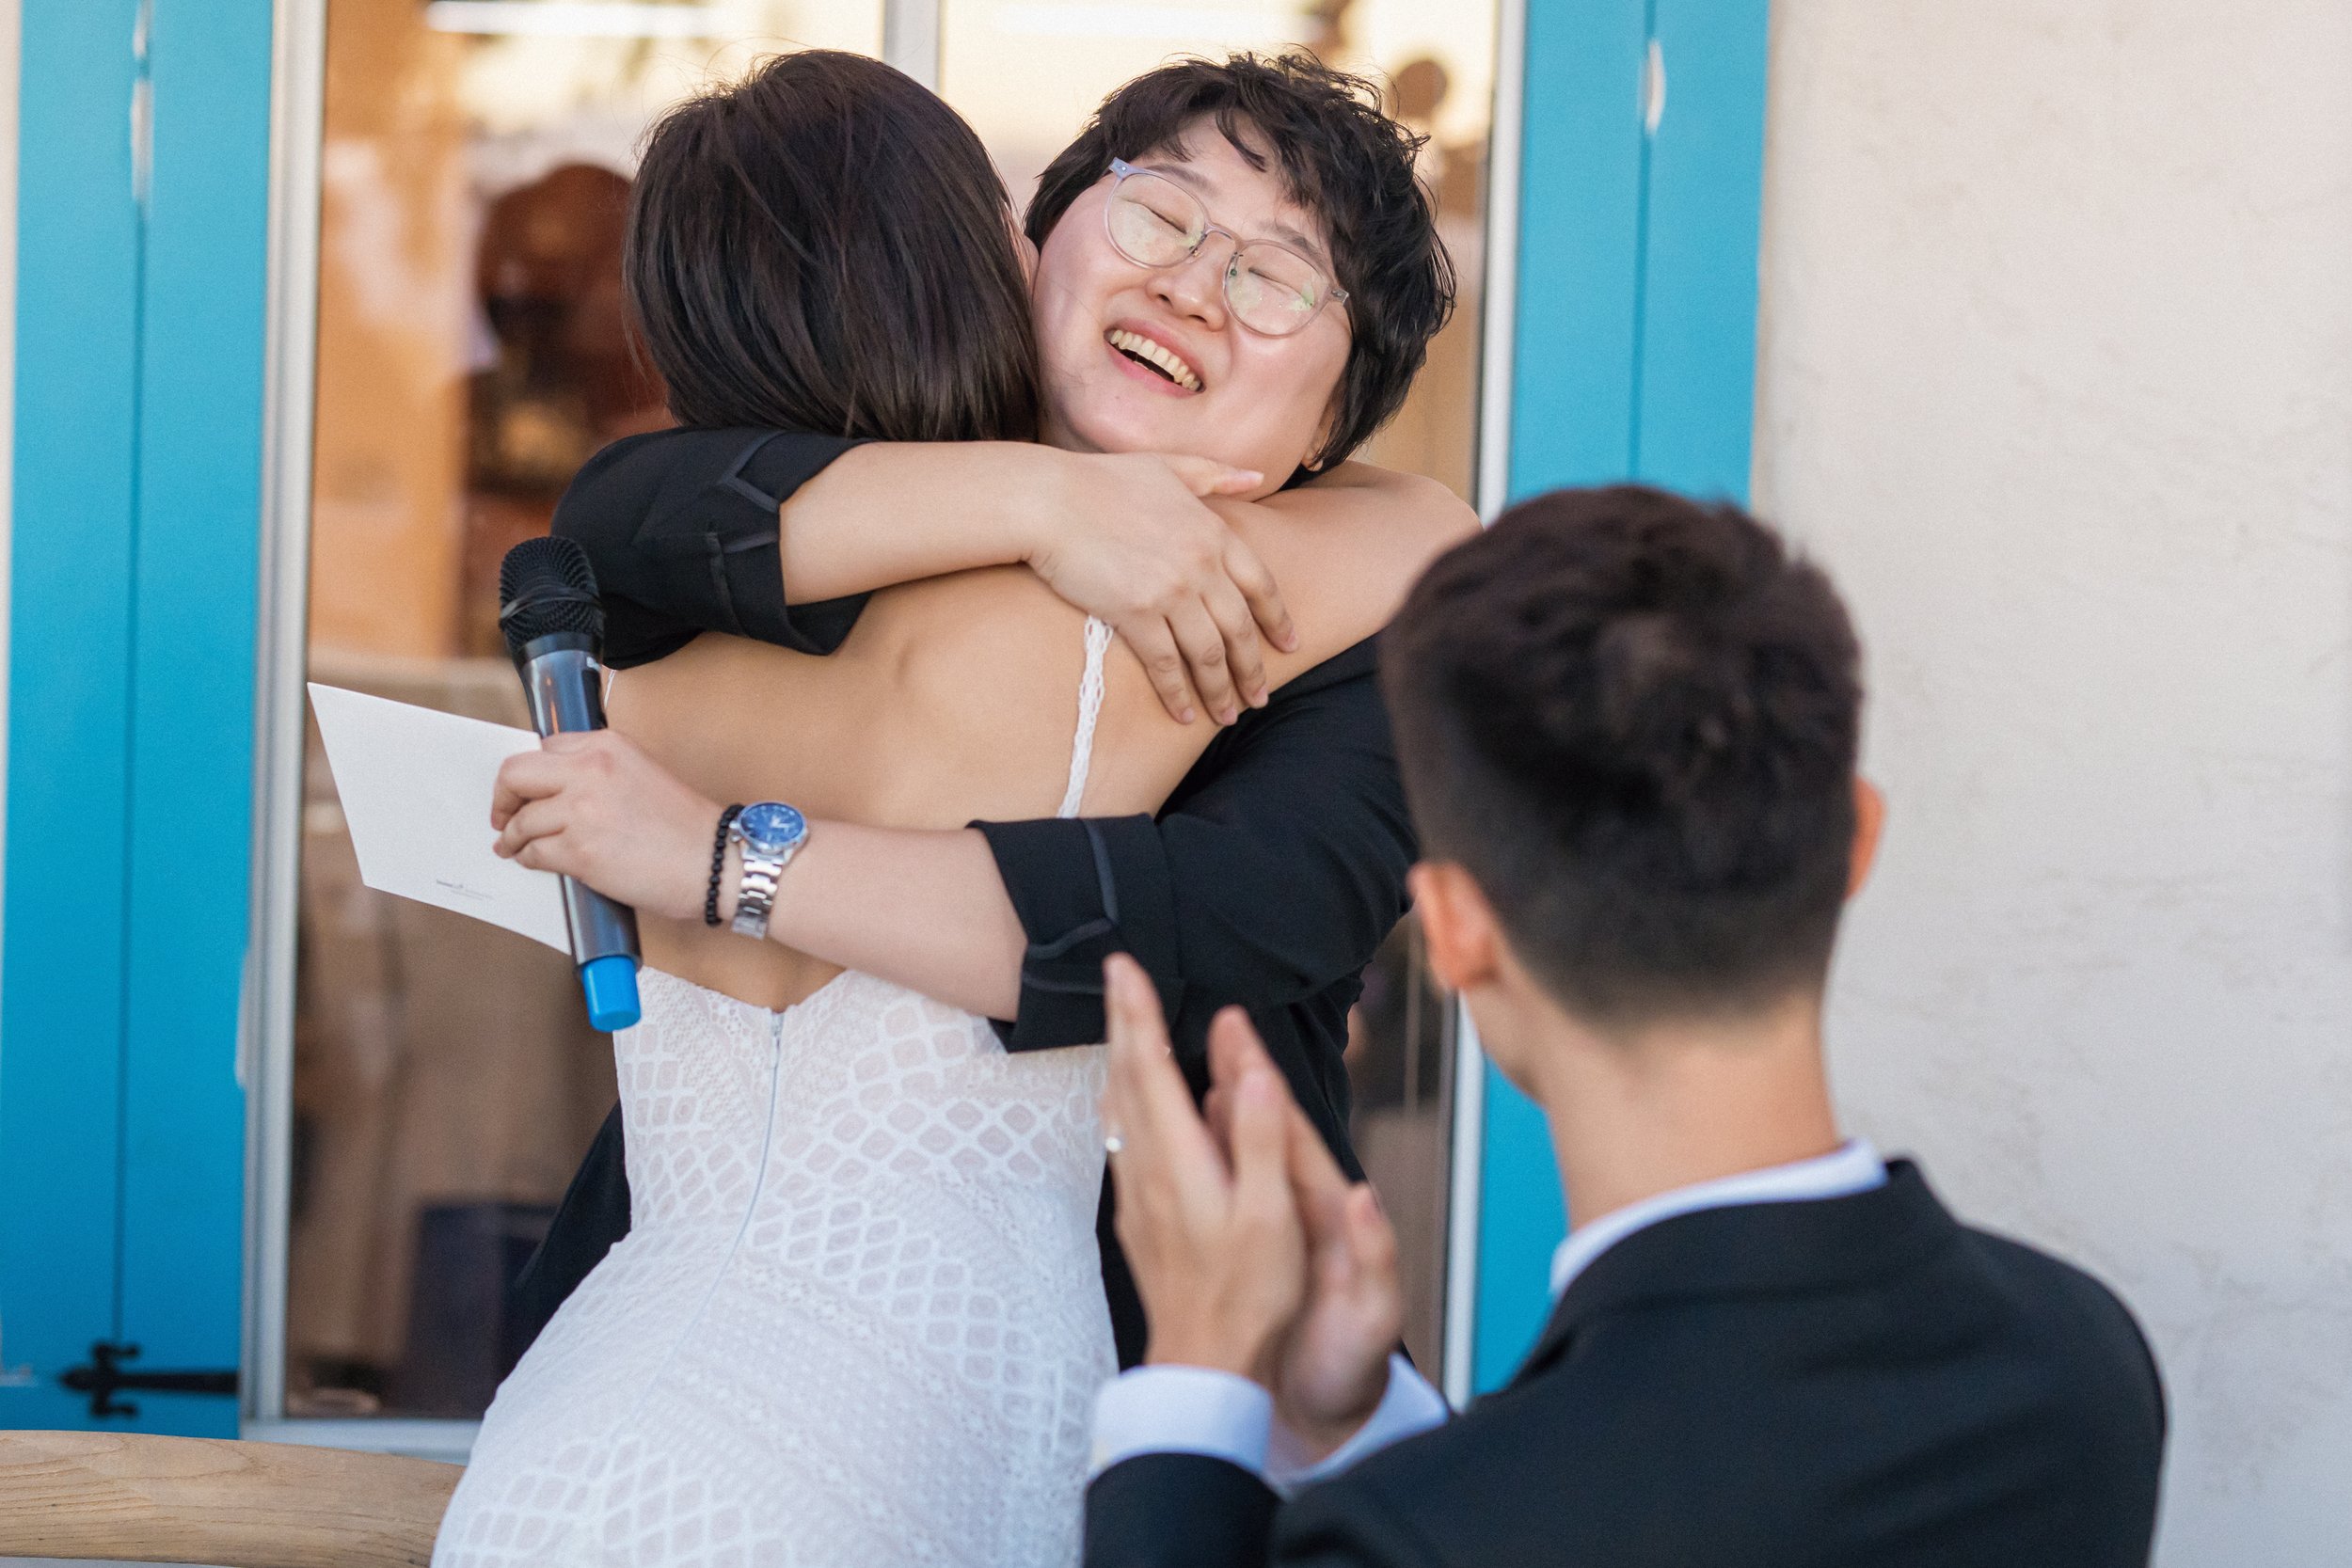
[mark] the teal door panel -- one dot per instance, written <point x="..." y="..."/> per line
<point x="1580" y="232"/>
<point x="1634" y="358"/>
<point x="1573" y="367"/>
<point x="1695" y="402"/>
<point x="135" y="535"/>
<point x="192" y="672"/>
<point x="68" y="704"/>
<point x="1520" y="1221"/>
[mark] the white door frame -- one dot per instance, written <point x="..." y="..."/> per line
<point x="265" y="1044"/>
<point x="1498" y="325"/>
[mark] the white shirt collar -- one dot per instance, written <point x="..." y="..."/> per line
<point x="1854" y="1168"/>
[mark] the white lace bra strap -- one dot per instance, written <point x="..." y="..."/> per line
<point x="1090" y="711"/>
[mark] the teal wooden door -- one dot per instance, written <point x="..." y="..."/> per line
<point x="1633" y="358"/>
<point x="142" y="260"/>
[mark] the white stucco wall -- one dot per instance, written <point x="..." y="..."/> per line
<point x="2057" y="378"/>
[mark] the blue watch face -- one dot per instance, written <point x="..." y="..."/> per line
<point x="772" y="827"/>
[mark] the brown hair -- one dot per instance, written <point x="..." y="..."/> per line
<point x="1633" y="719"/>
<point x="824" y="245"/>
<point x="1340" y="159"/>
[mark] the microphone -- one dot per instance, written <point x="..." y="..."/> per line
<point x="554" y="625"/>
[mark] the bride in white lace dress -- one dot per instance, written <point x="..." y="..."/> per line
<point x="858" y="1317"/>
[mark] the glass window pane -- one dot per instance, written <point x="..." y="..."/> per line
<point x="471" y="353"/>
<point x="1400" y="1063"/>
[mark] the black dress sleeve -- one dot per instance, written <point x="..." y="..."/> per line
<point x="681" y="527"/>
<point x="593" y="1216"/>
<point x="1275" y="872"/>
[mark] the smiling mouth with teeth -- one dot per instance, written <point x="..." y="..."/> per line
<point x="1152" y="357"/>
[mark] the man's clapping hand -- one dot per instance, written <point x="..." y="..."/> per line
<point x="1213" y="1234"/>
<point x="1253" y="1251"/>
<point x="1332" y="1366"/>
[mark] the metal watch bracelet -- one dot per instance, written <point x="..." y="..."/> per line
<point x="756" y="891"/>
<point x="755" y="888"/>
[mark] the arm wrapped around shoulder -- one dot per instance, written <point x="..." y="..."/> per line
<point x="682" y="528"/>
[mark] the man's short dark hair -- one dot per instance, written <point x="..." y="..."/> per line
<point x="1632" y="717"/>
<point x="1340" y="159"/>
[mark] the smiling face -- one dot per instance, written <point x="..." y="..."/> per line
<point x="1139" y="359"/>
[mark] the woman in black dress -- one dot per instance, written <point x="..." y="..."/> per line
<point x="1271" y="875"/>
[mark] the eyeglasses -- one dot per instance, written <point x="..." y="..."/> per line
<point x="1155" y="222"/>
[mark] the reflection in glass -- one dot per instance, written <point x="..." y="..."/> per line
<point x="471" y="353"/>
<point x="1400" y="1063"/>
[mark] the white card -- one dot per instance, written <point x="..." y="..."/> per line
<point x="415" y="787"/>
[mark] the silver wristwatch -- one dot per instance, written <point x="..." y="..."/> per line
<point x="771" y="834"/>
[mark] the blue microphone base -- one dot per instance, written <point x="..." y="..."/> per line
<point x="609" y="985"/>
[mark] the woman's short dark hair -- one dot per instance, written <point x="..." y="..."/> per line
<point x="824" y="245"/>
<point x="1340" y="159"/>
<point x="1633" y="719"/>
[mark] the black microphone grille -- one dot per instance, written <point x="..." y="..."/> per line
<point x="545" y="585"/>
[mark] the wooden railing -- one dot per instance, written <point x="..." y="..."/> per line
<point x="138" y="1498"/>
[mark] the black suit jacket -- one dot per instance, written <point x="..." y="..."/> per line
<point x="1268" y="878"/>
<point x="1858" y="1382"/>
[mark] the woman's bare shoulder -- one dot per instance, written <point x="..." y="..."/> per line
<point x="1346" y="547"/>
<point x="990" y="664"/>
<point x="1392" y="497"/>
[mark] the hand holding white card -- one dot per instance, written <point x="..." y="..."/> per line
<point x="415" y="787"/>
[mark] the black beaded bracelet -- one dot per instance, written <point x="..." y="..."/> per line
<point x="718" y="863"/>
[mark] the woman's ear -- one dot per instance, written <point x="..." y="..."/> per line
<point x="1869" y="816"/>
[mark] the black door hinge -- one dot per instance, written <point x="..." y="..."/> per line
<point x="103" y="1377"/>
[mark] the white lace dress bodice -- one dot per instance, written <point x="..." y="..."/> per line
<point x="858" y="1318"/>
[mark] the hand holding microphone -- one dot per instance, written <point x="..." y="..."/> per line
<point x="594" y="807"/>
<point x="554" y="625"/>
